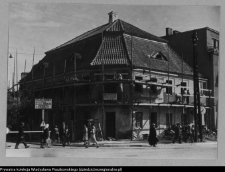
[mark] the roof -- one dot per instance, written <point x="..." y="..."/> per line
<point x="112" y="48"/>
<point x="142" y="49"/>
<point x="117" y="25"/>
<point x="188" y="31"/>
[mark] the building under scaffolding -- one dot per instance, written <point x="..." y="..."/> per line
<point x="121" y="77"/>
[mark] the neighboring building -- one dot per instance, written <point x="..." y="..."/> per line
<point x="118" y="75"/>
<point x="208" y="59"/>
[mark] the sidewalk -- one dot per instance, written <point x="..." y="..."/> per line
<point x="125" y="143"/>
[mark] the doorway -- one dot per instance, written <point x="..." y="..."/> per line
<point x="110" y="124"/>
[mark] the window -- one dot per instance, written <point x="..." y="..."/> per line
<point x="183" y="84"/>
<point x="153" y="89"/>
<point x="111" y="88"/>
<point x="169" y="119"/>
<point x="169" y="89"/>
<point x="139" y="118"/>
<point x="109" y="77"/>
<point x="139" y="78"/>
<point x="202" y="85"/>
<point x="138" y="88"/>
<point x="184" y="119"/>
<point x="215" y="43"/>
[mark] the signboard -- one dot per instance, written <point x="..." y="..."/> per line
<point x="42" y="124"/>
<point x="43" y="103"/>
<point x="110" y="96"/>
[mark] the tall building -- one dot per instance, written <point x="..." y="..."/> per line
<point x="208" y="59"/>
<point x="119" y="76"/>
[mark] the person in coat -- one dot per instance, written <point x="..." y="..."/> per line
<point x="177" y="134"/>
<point x="85" y="134"/>
<point x="45" y="136"/>
<point x="67" y="136"/>
<point x="21" y="137"/>
<point x="56" y="134"/>
<point x="92" y="136"/>
<point x="152" y="139"/>
<point x="63" y="134"/>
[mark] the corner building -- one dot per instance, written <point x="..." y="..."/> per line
<point x="120" y="76"/>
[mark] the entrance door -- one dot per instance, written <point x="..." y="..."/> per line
<point x="110" y="124"/>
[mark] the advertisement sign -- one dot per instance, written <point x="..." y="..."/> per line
<point x="43" y="103"/>
<point x="110" y="96"/>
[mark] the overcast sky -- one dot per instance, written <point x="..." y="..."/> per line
<point x="47" y="25"/>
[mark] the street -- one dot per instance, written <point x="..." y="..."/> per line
<point x="206" y="150"/>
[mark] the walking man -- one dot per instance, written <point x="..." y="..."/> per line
<point x="21" y="137"/>
<point x="177" y="134"/>
<point x="92" y="136"/>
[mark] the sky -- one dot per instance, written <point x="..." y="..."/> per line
<point x="44" y="26"/>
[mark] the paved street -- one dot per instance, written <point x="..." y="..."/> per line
<point x="206" y="150"/>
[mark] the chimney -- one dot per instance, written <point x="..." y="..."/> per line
<point x="169" y="31"/>
<point x="112" y="16"/>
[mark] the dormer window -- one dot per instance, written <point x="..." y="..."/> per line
<point x="158" y="56"/>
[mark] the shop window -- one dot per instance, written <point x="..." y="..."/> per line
<point x="169" y="89"/>
<point x="138" y="88"/>
<point x="139" y="119"/>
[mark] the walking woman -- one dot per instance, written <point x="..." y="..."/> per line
<point x="45" y="136"/>
<point x="92" y="136"/>
<point x="152" y="139"/>
<point x="85" y="134"/>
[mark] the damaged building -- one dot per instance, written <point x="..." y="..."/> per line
<point x="121" y="77"/>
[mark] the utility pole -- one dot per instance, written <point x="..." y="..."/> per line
<point x="197" y="116"/>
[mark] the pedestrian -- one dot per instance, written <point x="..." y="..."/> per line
<point x="21" y="137"/>
<point x="177" y="134"/>
<point x="152" y="139"/>
<point x="85" y="134"/>
<point x="56" y="134"/>
<point x="63" y="134"/>
<point x="45" y="137"/>
<point x="67" y="136"/>
<point x="193" y="132"/>
<point x="188" y="95"/>
<point x="92" y="136"/>
<point x="189" y="134"/>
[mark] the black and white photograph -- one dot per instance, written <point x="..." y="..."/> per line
<point x="112" y="81"/>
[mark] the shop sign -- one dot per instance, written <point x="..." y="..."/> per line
<point x="43" y="103"/>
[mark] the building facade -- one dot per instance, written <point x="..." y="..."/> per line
<point x="119" y="76"/>
<point x="208" y="59"/>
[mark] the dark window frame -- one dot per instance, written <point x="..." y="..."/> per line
<point x="169" y="90"/>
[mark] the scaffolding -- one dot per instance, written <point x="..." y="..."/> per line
<point x="131" y="81"/>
